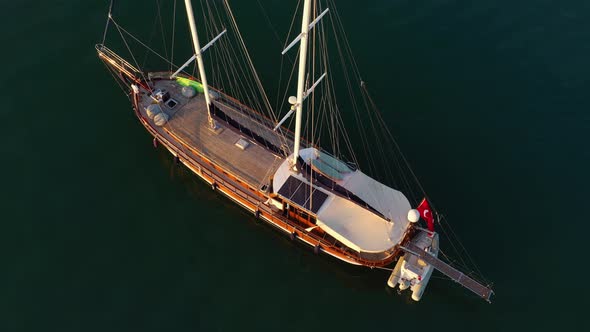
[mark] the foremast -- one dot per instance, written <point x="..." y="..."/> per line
<point x="199" y="57"/>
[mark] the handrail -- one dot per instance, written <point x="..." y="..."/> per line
<point x="108" y="52"/>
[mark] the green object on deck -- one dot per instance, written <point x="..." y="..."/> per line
<point x="186" y="82"/>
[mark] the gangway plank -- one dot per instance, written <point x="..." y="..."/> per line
<point x="484" y="292"/>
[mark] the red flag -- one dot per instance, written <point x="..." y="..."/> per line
<point x="426" y="214"/>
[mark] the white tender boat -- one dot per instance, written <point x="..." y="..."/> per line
<point x="412" y="271"/>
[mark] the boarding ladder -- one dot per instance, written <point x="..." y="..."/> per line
<point x="484" y="292"/>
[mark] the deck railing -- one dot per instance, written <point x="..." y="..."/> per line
<point x="108" y="53"/>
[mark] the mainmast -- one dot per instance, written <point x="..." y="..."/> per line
<point x="198" y="55"/>
<point x="301" y="78"/>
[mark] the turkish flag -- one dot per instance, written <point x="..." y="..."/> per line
<point x="426" y="214"/>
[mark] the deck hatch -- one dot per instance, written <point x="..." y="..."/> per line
<point x="298" y="192"/>
<point x="242" y="144"/>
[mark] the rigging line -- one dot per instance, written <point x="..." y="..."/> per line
<point x="286" y="91"/>
<point x="240" y="87"/>
<point x="162" y="28"/>
<point x="384" y="268"/>
<point x="280" y="102"/>
<point x="454" y="263"/>
<point x="310" y="104"/>
<point x="381" y="126"/>
<point x="341" y="25"/>
<point x="328" y="118"/>
<point x="364" y="139"/>
<point x="173" y="33"/>
<point x="355" y="68"/>
<point x="380" y="147"/>
<point x="472" y="273"/>
<point x="405" y="180"/>
<point x="461" y="244"/>
<point x="106" y="28"/>
<point x="353" y="65"/>
<point x="335" y="114"/>
<point x="288" y="83"/>
<point x="129" y="49"/>
<point x="254" y="75"/>
<point x="210" y="25"/>
<point x="269" y="22"/>
<point x="378" y="129"/>
<point x="442" y="278"/>
<point x="229" y="65"/>
<point x="206" y="23"/>
<point x="292" y="23"/>
<point x="279" y="86"/>
<point x="453" y="245"/>
<point x="152" y="34"/>
<point x="399" y="178"/>
<point x="371" y="120"/>
<point x="223" y="57"/>
<point x="353" y="104"/>
<point x="336" y="119"/>
<point x="257" y="79"/>
<point x="399" y="149"/>
<point x="120" y="28"/>
<point x="117" y="79"/>
<point x="331" y="116"/>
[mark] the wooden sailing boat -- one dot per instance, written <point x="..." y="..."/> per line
<point x="292" y="184"/>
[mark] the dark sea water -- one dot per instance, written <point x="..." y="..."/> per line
<point x="101" y="232"/>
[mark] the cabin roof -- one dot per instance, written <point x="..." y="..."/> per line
<point x="350" y="223"/>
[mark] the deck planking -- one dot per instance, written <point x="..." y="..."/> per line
<point x="189" y="123"/>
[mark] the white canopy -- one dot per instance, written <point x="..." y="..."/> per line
<point x="390" y="202"/>
<point x="360" y="228"/>
<point x="353" y="225"/>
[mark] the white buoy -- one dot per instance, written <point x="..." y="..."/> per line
<point x="160" y="119"/>
<point x="153" y="110"/>
<point x="413" y="216"/>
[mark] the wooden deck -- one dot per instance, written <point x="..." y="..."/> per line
<point x="188" y="123"/>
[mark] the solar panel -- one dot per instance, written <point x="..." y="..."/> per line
<point x="298" y="192"/>
<point x="289" y="187"/>
<point x="317" y="200"/>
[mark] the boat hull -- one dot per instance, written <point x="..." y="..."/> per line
<point x="227" y="176"/>
<point x="250" y="201"/>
